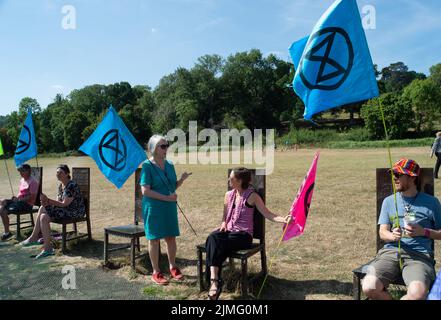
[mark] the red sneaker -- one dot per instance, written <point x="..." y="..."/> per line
<point x="176" y="273"/>
<point x="159" y="278"/>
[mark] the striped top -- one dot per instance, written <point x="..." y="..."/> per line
<point x="436" y="147"/>
<point x="241" y="217"/>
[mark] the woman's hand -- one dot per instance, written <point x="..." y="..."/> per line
<point x="44" y="200"/>
<point x="172" y="197"/>
<point x="288" y="219"/>
<point x="185" y="175"/>
<point x="223" y="227"/>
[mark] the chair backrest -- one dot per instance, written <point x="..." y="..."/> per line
<point x="37" y="174"/>
<point x="82" y="177"/>
<point x="259" y="184"/>
<point x="138" y="197"/>
<point x="384" y="189"/>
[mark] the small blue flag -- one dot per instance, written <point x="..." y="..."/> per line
<point x="435" y="293"/>
<point x="333" y="65"/>
<point x="114" y="149"/>
<point x="27" y="145"/>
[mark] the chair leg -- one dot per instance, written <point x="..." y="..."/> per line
<point x="106" y="246"/>
<point x="75" y="229"/>
<point x="356" y="287"/>
<point x="89" y="228"/>
<point x="64" y="239"/>
<point x="132" y="250"/>
<point x="200" y="270"/>
<point x="138" y="244"/>
<point x="18" y="235"/>
<point x="244" y="278"/>
<point x="32" y="220"/>
<point x="231" y="263"/>
<point x="263" y="262"/>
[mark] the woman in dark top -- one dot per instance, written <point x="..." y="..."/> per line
<point x="69" y="205"/>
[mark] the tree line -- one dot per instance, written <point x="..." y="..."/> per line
<point x="244" y="90"/>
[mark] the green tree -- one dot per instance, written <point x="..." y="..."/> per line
<point x="398" y="116"/>
<point x="74" y="126"/>
<point x="397" y="76"/>
<point x="435" y="74"/>
<point x="425" y="99"/>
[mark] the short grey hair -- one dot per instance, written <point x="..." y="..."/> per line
<point x="153" y="142"/>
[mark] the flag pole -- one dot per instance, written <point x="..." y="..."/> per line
<point x="186" y="219"/>
<point x="396" y="223"/>
<point x="271" y="260"/>
<point x="9" y="177"/>
<point x="36" y="159"/>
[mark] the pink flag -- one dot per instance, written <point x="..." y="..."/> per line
<point x="300" y="206"/>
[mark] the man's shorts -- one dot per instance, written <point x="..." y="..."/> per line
<point x="17" y="206"/>
<point x="417" y="266"/>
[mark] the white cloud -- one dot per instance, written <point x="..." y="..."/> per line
<point x="57" y="87"/>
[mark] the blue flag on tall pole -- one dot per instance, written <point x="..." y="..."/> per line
<point x="333" y="65"/>
<point x="27" y="145"/>
<point x="114" y="149"/>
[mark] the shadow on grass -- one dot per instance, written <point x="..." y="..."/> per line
<point x="282" y="289"/>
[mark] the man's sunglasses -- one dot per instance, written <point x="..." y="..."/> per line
<point x="398" y="175"/>
<point x="164" y="146"/>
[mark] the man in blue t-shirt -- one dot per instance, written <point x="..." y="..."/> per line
<point x="419" y="223"/>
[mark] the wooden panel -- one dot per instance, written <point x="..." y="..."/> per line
<point x="384" y="189"/>
<point x="258" y="182"/>
<point x="138" y="197"/>
<point x="82" y="177"/>
<point x="37" y="174"/>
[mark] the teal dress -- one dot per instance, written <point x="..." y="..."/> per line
<point x="160" y="217"/>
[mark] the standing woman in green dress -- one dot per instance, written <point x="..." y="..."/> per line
<point x="159" y="206"/>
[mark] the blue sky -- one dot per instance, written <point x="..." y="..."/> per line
<point x="140" y="41"/>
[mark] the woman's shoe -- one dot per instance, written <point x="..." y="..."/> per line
<point x="45" y="253"/>
<point x="27" y="243"/>
<point x="213" y="294"/>
<point x="159" y="278"/>
<point x="176" y="273"/>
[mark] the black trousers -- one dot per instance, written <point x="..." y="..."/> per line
<point x="438" y="163"/>
<point x="220" y="245"/>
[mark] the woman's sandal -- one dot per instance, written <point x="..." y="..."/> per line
<point x="216" y="291"/>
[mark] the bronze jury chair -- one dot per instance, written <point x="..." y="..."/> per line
<point x="132" y="231"/>
<point x="37" y="174"/>
<point x="82" y="177"/>
<point x="384" y="189"/>
<point x="258" y="181"/>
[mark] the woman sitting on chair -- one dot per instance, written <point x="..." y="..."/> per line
<point x="69" y="205"/>
<point x="236" y="230"/>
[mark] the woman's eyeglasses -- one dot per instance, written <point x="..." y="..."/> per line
<point x="164" y="146"/>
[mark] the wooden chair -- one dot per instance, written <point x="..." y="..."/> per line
<point x="132" y="231"/>
<point x="37" y="174"/>
<point x="82" y="177"/>
<point x="384" y="189"/>
<point x="259" y="182"/>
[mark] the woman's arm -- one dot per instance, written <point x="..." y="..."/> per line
<point x="256" y="200"/>
<point x="64" y="203"/>
<point x="184" y="177"/>
<point x="147" y="192"/>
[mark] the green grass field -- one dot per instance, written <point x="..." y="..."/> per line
<point x="339" y="236"/>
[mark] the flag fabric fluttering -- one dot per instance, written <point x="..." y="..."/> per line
<point x="300" y="206"/>
<point x="27" y="144"/>
<point x="435" y="292"/>
<point x="114" y="149"/>
<point x="333" y="65"/>
<point x="1" y="148"/>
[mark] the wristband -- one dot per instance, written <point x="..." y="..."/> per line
<point x="427" y="233"/>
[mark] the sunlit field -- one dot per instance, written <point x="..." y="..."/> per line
<point x="339" y="236"/>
